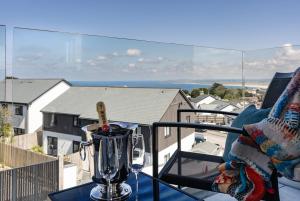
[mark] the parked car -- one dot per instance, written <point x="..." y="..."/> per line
<point x="201" y="130"/>
<point x="199" y="137"/>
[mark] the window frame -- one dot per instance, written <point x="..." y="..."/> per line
<point x="188" y="118"/>
<point x="74" y="143"/>
<point x="19" y="131"/>
<point x="4" y="105"/>
<point x="19" y="110"/>
<point x="53" y="120"/>
<point x="54" y="151"/>
<point x="167" y="131"/>
<point x="167" y="157"/>
<point x="77" y="120"/>
<point x="138" y="130"/>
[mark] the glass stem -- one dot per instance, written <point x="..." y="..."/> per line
<point x="137" y="182"/>
<point x="109" y="193"/>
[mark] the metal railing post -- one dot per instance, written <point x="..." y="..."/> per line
<point x="178" y="131"/>
<point x="179" y="144"/>
<point x="155" y="150"/>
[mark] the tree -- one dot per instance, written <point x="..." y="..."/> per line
<point x="204" y="90"/>
<point x="198" y="91"/>
<point x="247" y="94"/>
<point x="195" y="93"/>
<point x="186" y="92"/>
<point x="231" y="94"/>
<point x="218" y="90"/>
<point x="6" y="130"/>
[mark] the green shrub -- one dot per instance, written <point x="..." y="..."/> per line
<point x="37" y="149"/>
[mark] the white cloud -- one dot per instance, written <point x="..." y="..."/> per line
<point x="287" y="45"/>
<point x="131" y="65"/>
<point x="154" y="70"/>
<point x="78" y="60"/>
<point x="91" y="62"/>
<point x="156" y="60"/>
<point x="133" y="52"/>
<point x="160" y="58"/>
<point x="100" y="57"/>
<point x="285" y="59"/>
<point x="21" y="59"/>
<point x="115" y="54"/>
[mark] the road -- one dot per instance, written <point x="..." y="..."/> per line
<point x="216" y="137"/>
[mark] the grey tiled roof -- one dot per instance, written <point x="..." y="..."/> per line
<point x="216" y="105"/>
<point x="220" y="104"/>
<point x="136" y="105"/>
<point x="25" y="90"/>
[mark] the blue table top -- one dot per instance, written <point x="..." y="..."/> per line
<point x="146" y="193"/>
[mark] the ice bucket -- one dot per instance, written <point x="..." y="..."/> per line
<point x="117" y="141"/>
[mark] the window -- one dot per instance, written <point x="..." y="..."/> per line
<point x="19" y="131"/>
<point x="188" y="119"/>
<point x="76" y="146"/>
<point x="76" y="121"/>
<point x="167" y="131"/>
<point x="52" y="146"/>
<point x="19" y="110"/>
<point x="53" y="120"/>
<point x="4" y="105"/>
<point x="138" y="130"/>
<point x="167" y="157"/>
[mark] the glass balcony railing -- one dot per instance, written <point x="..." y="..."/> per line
<point x="98" y="61"/>
<point x="57" y="79"/>
<point x="2" y="51"/>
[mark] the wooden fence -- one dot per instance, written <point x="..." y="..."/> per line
<point x="32" y="178"/>
<point x="15" y="157"/>
<point x="27" y="141"/>
<point x="223" y="120"/>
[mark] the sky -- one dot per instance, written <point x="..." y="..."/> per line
<point x="217" y="23"/>
<point x="232" y="24"/>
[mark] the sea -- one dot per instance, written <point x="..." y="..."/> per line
<point x="147" y="84"/>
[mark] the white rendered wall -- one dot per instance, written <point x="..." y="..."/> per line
<point x="35" y="117"/>
<point x="64" y="142"/>
<point x="186" y="145"/>
<point x="70" y="176"/>
<point x="206" y="100"/>
<point x="228" y="108"/>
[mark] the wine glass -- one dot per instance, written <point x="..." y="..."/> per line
<point x="108" y="162"/>
<point x="138" y="159"/>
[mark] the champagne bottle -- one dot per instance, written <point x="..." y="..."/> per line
<point x="103" y="123"/>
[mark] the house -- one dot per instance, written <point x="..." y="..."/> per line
<point x="240" y="103"/>
<point x="203" y="99"/>
<point x="64" y="117"/>
<point x="218" y="105"/>
<point x="26" y="97"/>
